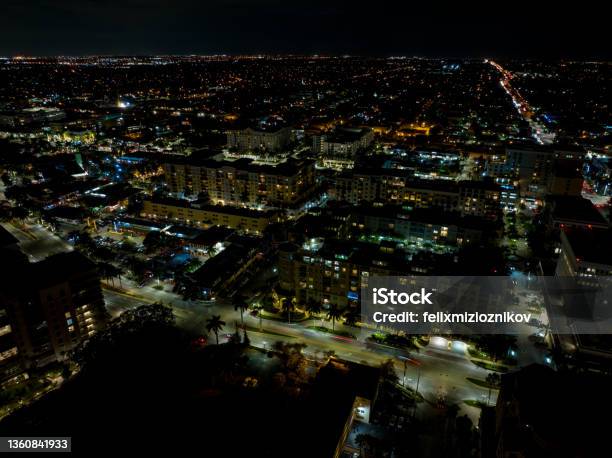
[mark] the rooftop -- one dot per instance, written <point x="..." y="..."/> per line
<point x="576" y="209"/>
<point x="290" y="167"/>
<point x="347" y="134"/>
<point x="6" y="238"/>
<point x="591" y="245"/>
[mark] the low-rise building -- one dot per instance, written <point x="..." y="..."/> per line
<point x="585" y="253"/>
<point x="567" y="212"/>
<point x="224" y="270"/>
<point x="421" y="224"/>
<point x="393" y="186"/>
<point x="206" y="215"/>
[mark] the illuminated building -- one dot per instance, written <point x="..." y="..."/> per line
<point x="243" y="182"/>
<point x="533" y="166"/>
<point x="479" y="198"/>
<point x="241" y="218"/>
<point x="31" y="115"/>
<point x="50" y="307"/>
<point x="249" y="140"/>
<point x="333" y="271"/>
<point x="421" y="224"/>
<point x="338" y="149"/>
<point x="585" y="253"/>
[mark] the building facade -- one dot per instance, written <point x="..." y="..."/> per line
<point x="243" y="182"/>
<point x="251" y="140"/>
<point x="338" y="149"/>
<point x="240" y="218"/>
<point x="534" y="166"/>
<point x="333" y="271"/>
<point x="48" y="308"/>
<point x="421" y="225"/>
<point x="387" y="186"/>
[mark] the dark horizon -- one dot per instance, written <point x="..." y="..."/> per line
<point x="159" y="27"/>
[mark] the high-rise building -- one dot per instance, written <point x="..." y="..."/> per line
<point x="252" y="140"/>
<point x="338" y="149"/>
<point x="534" y="166"/>
<point x="566" y="178"/>
<point x="585" y="253"/>
<point x="47" y="308"/>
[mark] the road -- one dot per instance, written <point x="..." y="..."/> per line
<point x="37" y="242"/>
<point x="539" y="131"/>
<point x="442" y="372"/>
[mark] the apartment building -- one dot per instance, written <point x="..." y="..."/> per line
<point x="241" y="218"/>
<point x="243" y="181"/>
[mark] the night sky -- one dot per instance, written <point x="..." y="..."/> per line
<point x="533" y="28"/>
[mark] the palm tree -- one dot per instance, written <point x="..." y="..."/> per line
<point x="351" y="316"/>
<point x="215" y="324"/>
<point x="314" y="307"/>
<point x="240" y="304"/>
<point x="118" y="272"/>
<point x="20" y="213"/>
<point x="104" y="269"/>
<point x="5" y="214"/>
<point x="334" y="314"/>
<point x="109" y="271"/>
<point x="288" y="306"/>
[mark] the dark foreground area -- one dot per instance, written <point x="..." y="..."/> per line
<point x="143" y="385"/>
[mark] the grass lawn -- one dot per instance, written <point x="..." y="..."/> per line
<point x="494" y="365"/>
<point x="265" y="331"/>
<point x="474" y="403"/>
<point x="482" y="383"/>
<point x="392" y="340"/>
<point x="410" y="393"/>
<point x="474" y="353"/>
<point x="490" y="366"/>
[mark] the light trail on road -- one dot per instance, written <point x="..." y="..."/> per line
<point x="442" y="372"/>
<point x="539" y="132"/>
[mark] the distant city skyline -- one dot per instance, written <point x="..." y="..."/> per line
<point x="137" y="27"/>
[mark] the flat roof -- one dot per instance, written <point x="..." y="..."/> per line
<point x="6" y="238"/>
<point x="290" y="167"/>
<point x="591" y="245"/>
<point x="227" y="209"/>
<point x="579" y="209"/>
